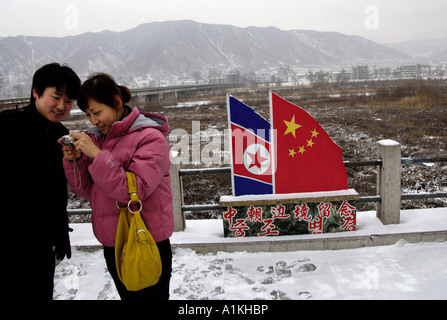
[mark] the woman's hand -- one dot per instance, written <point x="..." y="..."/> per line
<point x="84" y="144"/>
<point x="70" y="152"/>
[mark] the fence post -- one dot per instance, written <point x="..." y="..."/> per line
<point x="177" y="197"/>
<point x="388" y="181"/>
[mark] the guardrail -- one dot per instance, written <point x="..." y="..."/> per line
<point x="364" y="199"/>
<point x="227" y="170"/>
<point x="388" y="185"/>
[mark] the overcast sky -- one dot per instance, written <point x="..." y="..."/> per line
<point x="383" y="21"/>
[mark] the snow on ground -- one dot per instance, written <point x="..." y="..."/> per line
<point x="399" y="271"/>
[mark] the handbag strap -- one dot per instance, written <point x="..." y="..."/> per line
<point x="132" y="185"/>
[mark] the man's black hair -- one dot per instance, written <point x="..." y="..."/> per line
<point x="55" y="75"/>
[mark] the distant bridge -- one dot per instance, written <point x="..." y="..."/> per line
<point x="171" y="95"/>
<point x="145" y="96"/>
<point x="13" y="103"/>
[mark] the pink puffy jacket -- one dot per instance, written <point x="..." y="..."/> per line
<point x="137" y="144"/>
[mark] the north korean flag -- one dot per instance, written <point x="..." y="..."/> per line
<point x="250" y="148"/>
<point x="307" y="160"/>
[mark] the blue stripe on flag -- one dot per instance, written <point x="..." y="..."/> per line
<point x="246" y="117"/>
<point x="245" y="186"/>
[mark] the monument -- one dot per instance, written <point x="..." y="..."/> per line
<point x="288" y="175"/>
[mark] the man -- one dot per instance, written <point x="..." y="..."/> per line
<point x="34" y="221"/>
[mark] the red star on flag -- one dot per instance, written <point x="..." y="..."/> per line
<point x="257" y="159"/>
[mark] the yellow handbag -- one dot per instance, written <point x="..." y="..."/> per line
<point x="136" y="254"/>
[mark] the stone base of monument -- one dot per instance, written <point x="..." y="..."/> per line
<point x="289" y="214"/>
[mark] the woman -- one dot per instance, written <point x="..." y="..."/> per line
<point x="123" y="139"/>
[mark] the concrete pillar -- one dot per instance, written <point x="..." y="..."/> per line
<point x="136" y="101"/>
<point x="177" y="197"/>
<point x="152" y="99"/>
<point x="170" y="98"/>
<point x="388" y="181"/>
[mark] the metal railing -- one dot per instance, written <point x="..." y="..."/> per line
<point x="362" y="199"/>
<point x="227" y="170"/>
<point x="425" y="195"/>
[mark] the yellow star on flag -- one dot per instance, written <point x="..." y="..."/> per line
<point x="292" y="153"/>
<point x="302" y="150"/>
<point x="310" y="143"/>
<point x="291" y="126"/>
<point x="314" y="133"/>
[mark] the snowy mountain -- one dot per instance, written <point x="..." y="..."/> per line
<point x="160" y="49"/>
<point x="425" y="51"/>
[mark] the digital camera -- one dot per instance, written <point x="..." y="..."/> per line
<point x="67" y="140"/>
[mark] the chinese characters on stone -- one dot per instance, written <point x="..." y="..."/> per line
<point x="342" y="213"/>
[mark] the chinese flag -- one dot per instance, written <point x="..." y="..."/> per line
<point x="307" y="160"/>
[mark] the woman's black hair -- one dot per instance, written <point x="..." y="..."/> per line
<point x="102" y="88"/>
<point x="55" y="75"/>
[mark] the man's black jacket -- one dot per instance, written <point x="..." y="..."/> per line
<point x="33" y="202"/>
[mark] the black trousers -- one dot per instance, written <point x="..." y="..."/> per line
<point x="160" y="291"/>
